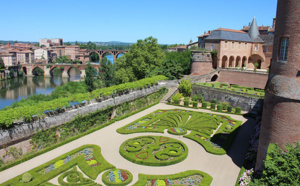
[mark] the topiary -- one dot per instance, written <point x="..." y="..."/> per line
<point x="238" y="110"/>
<point x="204" y="105"/>
<point x="213" y="101"/>
<point x="186" y="103"/>
<point x="195" y="104"/>
<point x="220" y="107"/>
<point x="26" y="177"/>
<point x="213" y="106"/>
<point x="225" y="105"/>
<point x="229" y="108"/>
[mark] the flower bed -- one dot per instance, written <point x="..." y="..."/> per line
<point x="187" y="178"/>
<point x="87" y="157"/>
<point x="154" y="150"/>
<point x="117" y="177"/>
<point x="178" y="121"/>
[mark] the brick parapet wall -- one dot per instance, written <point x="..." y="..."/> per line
<point x="245" y="79"/>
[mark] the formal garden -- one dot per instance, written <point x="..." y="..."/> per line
<point x="248" y="91"/>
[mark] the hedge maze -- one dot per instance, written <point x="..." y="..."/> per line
<point x="214" y="132"/>
<point x="154" y="150"/>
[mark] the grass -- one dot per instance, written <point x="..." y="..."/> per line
<point x="202" y="126"/>
<point x="154" y="150"/>
<point x="206" y="178"/>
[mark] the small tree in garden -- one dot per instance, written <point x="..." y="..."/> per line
<point x="176" y="98"/>
<point x="185" y="87"/>
<point x="90" y="72"/>
<point x="255" y="66"/>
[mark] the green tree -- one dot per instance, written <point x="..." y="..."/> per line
<point x="185" y="87"/>
<point x="281" y="167"/>
<point x="67" y="43"/>
<point x="90" y="72"/>
<point x="36" y="44"/>
<point x="11" y="73"/>
<point x="107" y="72"/>
<point x="142" y="59"/>
<point x="171" y="69"/>
<point x="182" y="59"/>
<point x="2" y="65"/>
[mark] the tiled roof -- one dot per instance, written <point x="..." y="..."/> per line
<point x="268" y="39"/>
<point x="226" y="34"/>
<point x="231" y="30"/>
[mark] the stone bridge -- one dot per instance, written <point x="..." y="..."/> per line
<point x="30" y="69"/>
<point x="84" y="55"/>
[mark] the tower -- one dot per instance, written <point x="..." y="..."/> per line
<point x="281" y="118"/>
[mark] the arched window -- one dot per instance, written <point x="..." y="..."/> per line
<point x="284" y="45"/>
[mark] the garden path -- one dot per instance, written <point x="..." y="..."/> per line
<point x="224" y="169"/>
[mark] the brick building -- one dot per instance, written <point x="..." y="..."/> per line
<point x="25" y="57"/>
<point x="9" y="59"/>
<point x="280" y="120"/>
<point x="72" y="52"/>
<point x="51" y="42"/>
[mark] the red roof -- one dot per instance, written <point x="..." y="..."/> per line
<point x="231" y="30"/>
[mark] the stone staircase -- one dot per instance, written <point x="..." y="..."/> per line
<point x="172" y="90"/>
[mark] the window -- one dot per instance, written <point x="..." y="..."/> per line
<point x="284" y="44"/>
<point x="255" y="48"/>
<point x="212" y="47"/>
<point x="225" y="44"/>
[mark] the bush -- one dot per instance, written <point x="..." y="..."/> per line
<point x="186" y="98"/>
<point x="176" y="98"/>
<point x="229" y="108"/>
<point x="195" y="97"/>
<point x="213" y="101"/>
<point x="238" y="110"/>
<point x="204" y="105"/>
<point x="281" y="167"/>
<point x="213" y="106"/>
<point x="195" y="104"/>
<point x="26" y="177"/>
<point x="185" y="87"/>
<point x="186" y="103"/>
<point x="220" y="107"/>
<point x="225" y="105"/>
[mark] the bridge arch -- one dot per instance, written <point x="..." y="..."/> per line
<point x="37" y="71"/>
<point x="119" y="53"/>
<point x="94" y="56"/>
<point x="73" y="71"/>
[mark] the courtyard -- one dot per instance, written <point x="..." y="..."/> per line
<point x="193" y="156"/>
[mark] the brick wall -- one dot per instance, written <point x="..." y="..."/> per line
<point x="246" y="79"/>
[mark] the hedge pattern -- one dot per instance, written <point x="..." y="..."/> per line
<point x="192" y="177"/>
<point x="87" y="157"/>
<point x="154" y="150"/>
<point x="117" y="177"/>
<point x="201" y="124"/>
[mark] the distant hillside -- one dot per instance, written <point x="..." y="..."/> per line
<point x="13" y="41"/>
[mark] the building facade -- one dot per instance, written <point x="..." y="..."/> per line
<point x="51" y="42"/>
<point x="9" y="59"/>
<point x="72" y="52"/>
<point x="41" y="54"/>
<point x="25" y="57"/>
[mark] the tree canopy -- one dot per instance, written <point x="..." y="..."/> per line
<point x="143" y="58"/>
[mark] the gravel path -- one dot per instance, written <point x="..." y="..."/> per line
<point x="224" y="169"/>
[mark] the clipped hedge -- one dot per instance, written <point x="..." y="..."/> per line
<point x="177" y="131"/>
<point x="164" y="148"/>
<point x="26" y="112"/>
<point x="105" y="177"/>
<point x="238" y="110"/>
<point x="204" y="105"/>
<point x="206" y="180"/>
<point x="80" y="161"/>
<point x="90" y="130"/>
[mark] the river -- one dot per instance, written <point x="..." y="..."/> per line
<point x="17" y="88"/>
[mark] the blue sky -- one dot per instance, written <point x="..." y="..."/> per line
<point x="169" y="21"/>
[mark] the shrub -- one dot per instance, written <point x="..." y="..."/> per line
<point x="213" y="101"/>
<point x="185" y="87"/>
<point x="186" y="98"/>
<point x="204" y="105"/>
<point x="195" y="97"/>
<point x="176" y="98"/>
<point x="26" y="177"/>
<point x="195" y="104"/>
<point x="281" y="167"/>
<point x="186" y="103"/>
<point x="220" y="107"/>
<point x="238" y="110"/>
<point x="225" y="105"/>
<point x="213" y="106"/>
<point x="229" y="108"/>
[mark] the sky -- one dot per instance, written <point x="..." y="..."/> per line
<point x="169" y="21"/>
